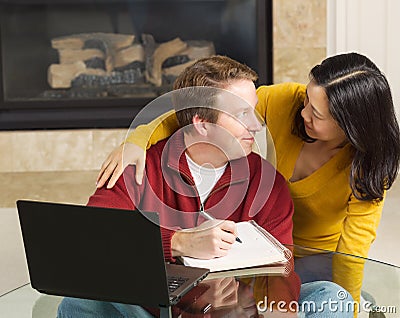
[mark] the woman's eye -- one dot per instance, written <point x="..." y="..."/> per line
<point x="316" y="116"/>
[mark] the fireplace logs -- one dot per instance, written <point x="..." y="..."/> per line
<point x="108" y="64"/>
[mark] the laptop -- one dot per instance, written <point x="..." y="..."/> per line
<point x="101" y="253"/>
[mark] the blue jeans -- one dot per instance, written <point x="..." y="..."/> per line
<point x="326" y="300"/>
<point x="317" y="299"/>
<point x="86" y="308"/>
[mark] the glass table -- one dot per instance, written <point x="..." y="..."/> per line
<point x="237" y="296"/>
<point x="380" y="285"/>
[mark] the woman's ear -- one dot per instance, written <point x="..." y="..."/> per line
<point x="199" y="125"/>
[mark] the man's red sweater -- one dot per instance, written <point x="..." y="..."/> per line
<point x="249" y="189"/>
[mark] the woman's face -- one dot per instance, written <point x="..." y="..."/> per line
<point x="318" y="121"/>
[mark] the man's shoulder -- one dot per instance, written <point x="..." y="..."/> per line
<point x="256" y="161"/>
<point x="162" y="154"/>
<point x="156" y="149"/>
<point x="259" y="165"/>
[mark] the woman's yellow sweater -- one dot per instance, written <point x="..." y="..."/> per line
<point x="327" y="215"/>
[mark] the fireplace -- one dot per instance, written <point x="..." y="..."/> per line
<point x="95" y="64"/>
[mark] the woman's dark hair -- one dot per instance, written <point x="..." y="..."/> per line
<point x="361" y="102"/>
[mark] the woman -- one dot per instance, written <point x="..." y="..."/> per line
<point x="337" y="144"/>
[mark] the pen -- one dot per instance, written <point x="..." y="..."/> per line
<point x="210" y="217"/>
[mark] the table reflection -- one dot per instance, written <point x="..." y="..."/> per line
<point x="235" y="295"/>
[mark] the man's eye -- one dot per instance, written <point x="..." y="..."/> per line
<point x="242" y="114"/>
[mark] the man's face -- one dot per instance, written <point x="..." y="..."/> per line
<point x="237" y="123"/>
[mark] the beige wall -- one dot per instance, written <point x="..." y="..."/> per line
<point x="57" y="150"/>
<point x="299" y="43"/>
<point x="299" y="38"/>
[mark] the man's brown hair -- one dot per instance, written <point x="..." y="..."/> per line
<point x="216" y="71"/>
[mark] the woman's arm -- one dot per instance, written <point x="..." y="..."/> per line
<point x="358" y="232"/>
<point x="158" y="129"/>
<point x="133" y="150"/>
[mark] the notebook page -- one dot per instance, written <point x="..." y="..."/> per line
<point x="255" y="250"/>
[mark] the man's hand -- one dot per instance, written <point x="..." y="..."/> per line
<point x="209" y="240"/>
<point x="117" y="161"/>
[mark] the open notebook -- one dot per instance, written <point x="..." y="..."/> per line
<point x="258" y="248"/>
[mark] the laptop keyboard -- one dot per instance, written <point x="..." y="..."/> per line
<point x="175" y="282"/>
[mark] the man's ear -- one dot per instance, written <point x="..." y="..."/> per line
<point x="199" y="125"/>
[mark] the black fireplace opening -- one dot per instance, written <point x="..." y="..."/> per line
<point x="96" y="64"/>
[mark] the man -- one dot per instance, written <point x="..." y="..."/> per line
<point x="207" y="169"/>
<point x="217" y="137"/>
